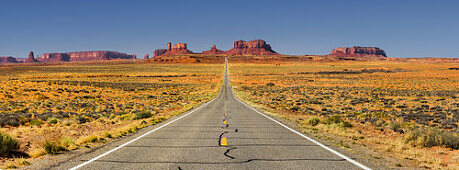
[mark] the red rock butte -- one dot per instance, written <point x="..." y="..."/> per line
<point x="8" y="59"/>
<point x="179" y="48"/>
<point x="254" y="47"/>
<point x="31" y="58"/>
<point x="358" y="52"/>
<point x="213" y="50"/>
<point x="84" y="56"/>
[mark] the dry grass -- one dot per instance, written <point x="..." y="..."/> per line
<point x="53" y="108"/>
<point x="375" y="105"/>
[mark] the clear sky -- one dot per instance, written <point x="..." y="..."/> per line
<point x="403" y="28"/>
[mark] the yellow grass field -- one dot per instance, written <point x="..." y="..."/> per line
<point x="382" y="110"/>
<point x="50" y="109"/>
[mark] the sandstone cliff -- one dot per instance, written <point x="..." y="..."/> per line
<point x="159" y="52"/>
<point x="359" y="52"/>
<point x="254" y="47"/>
<point x="179" y="48"/>
<point x="84" y="56"/>
<point x="8" y="59"/>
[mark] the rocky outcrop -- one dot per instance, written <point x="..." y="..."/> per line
<point x="8" y="59"/>
<point x="159" y="52"/>
<point x="84" y="56"/>
<point x="146" y="56"/>
<point x="179" y="48"/>
<point x="254" y="47"/>
<point x="31" y="58"/>
<point x="213" y="50"/>
<point x="358" y="52"/>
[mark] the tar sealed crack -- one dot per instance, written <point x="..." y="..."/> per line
<point x="228" y="150"/>
<point x="229" y="147"/>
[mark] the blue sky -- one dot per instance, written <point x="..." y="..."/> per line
<point x="403" y="28"/>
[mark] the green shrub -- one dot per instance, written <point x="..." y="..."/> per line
<point x="395" y="126"/>
<point x="52" y="147"/>
<point x="313" y="121"/>
<point x="159" y="119"/>
<point x="428" y="137"/>
<point x="143" y="114"/>
<point x="36" y="122"/>
<point x="108" y="135"/>
<point x="8" y="144"/>
<point x="68" y="143"/>
<point x="82" y="119"/>
<point x="52" y="120"/>
<point x="332" y="120"/>
<point x="93" y="139"/>
<point x="345" y="124"/>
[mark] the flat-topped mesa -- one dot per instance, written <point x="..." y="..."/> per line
<point x="179" y="48"/>
<point x="8" y="59"/>
<point x="358" y="52"/>
<point x="84" y="56"/>
<point x="254" y="47"/>
<point x="213" y="50"/>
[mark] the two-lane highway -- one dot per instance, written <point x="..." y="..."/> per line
<point x="222" y="134"/>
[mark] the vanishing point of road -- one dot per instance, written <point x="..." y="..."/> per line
<point x="224" y="133"/>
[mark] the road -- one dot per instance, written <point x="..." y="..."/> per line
<point x="222" y="134"/>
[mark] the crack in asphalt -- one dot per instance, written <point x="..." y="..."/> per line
<point x="229" y="147"/>
<point x="234" y="162"/>
<point x="220" y="138"/>
<point x="228" y="150"/>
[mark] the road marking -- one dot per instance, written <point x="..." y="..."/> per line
<point x="224" y="122"/>
<point x="223" y="142"/>
<point x="304" y="136"/>
<point x="133" y="140"/>
<point x="141" y="136"/>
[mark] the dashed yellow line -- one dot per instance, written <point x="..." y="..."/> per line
<point x="223" y="141"/>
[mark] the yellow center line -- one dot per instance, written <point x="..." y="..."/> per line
<point x="223" y="142"/>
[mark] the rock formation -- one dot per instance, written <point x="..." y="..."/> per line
<point x="179" y="48"/>
<point x="213" y="50"/>
<point x="31" y="58"/>
<point x="358" y="52"/>
<point x="146" y="56"/>
<point x="254" y="47"/>
<point x="169" y="46"/>
<point x="8" y="59"/>
<point x="159" y="52"/>
<point x="84" y="56"/>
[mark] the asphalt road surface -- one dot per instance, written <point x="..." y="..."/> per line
<point x="222" y="134"/>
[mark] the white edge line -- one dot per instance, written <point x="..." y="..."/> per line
<point x="145" y="134"/>
<point x="312" y="140"/>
